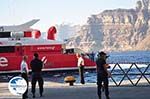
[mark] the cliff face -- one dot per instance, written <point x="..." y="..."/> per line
<point x="116" y="30"/>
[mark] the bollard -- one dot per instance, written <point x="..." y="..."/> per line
<point x="70" y="80"/>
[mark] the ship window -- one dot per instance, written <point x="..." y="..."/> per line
<point x="5" y="34"/>
<point x="69" y="51"/>
<point x="7" y="49"/>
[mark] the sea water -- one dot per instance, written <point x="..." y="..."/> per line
<point x="124" y="59"/>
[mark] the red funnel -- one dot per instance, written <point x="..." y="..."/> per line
<point x="51" y="33"/>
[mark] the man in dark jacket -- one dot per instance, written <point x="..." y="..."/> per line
<point x="36" y="66"/>
<point x="102" y="74"/>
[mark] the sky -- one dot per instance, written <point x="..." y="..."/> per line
<point x="52" y="12"/>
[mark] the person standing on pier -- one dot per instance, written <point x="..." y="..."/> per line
<point x="24" y="74"/>
<point x="80" y="65"/>
<point x="102" y="74"/>
<point x="36" y="66"/>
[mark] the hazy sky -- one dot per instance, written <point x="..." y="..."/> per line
<point x="51" y="12"/>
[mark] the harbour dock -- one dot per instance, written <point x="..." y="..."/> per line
<point x="54" y="90"/>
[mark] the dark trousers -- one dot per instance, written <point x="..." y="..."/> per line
<point x="81" y="74"/>
<point x="25" y="76"/>
<point x="37" y="77"/>
<point x="99" y="86"/>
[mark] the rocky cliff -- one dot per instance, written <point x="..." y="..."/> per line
<point x="116" y="30"/>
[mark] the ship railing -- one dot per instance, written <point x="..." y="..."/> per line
<point x="134" y="75"/>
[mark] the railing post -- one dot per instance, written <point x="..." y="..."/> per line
<point x="126" y="74"/>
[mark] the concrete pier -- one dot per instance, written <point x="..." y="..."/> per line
<point x="53" y="90"/>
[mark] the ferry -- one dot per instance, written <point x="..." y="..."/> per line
<point x="19" y="40"/>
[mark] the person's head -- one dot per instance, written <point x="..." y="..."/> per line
<point x="78" y="55"/>
<point x="102" y="55"/>
<point x="36" y="55"/>
<point x="24" y="57"/>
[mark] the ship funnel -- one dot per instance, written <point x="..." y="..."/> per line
<point x="34" y="34"/>
<point x="51" y="33"/>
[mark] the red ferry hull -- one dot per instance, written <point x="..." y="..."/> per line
<point x="52" y="62"/>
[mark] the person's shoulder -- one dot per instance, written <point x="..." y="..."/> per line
<point x="22" y="61"/>
<point x="39" y="60"/>
<point x="81" y="58"/>
<point x="32" y="60"/>
<point x="104" y="60"/>
<point x="98" y="59"/>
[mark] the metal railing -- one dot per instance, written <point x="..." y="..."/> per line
<point x="126" y="73"/>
